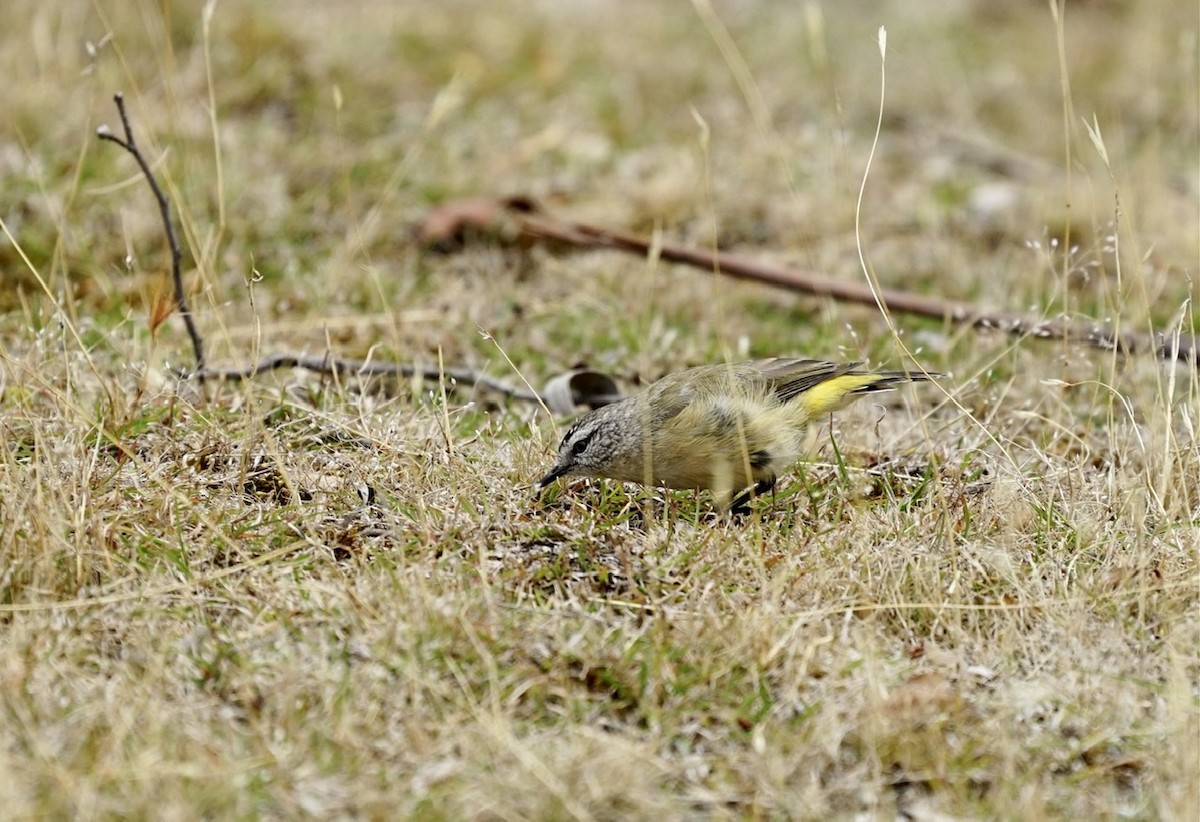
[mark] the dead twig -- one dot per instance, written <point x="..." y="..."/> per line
<point x="164" y="209"/>
<point x="519" y="220"/>
<point x="320" y="365"/>
<point x="363" y="368"/>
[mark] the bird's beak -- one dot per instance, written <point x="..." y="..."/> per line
<point x="554" y="474"/>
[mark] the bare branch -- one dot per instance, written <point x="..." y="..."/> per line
<point x="518" y="220"/>
<point x="320" y="365"/>
<point x="362" y="368"/>
<point x="164" y="208"/>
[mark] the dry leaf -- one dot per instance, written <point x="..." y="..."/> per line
<point x="581" y="386"/>
<point x="162" y="306"/>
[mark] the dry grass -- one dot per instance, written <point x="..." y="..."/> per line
<point x="983" y="602"/>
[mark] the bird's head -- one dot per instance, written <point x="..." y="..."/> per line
<point x="592" y="445"/>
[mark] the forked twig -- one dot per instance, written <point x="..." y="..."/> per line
<point x="319" y="365"/>
<point x="164" y="209"/>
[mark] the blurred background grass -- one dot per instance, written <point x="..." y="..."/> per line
<point x="338" y="127"/>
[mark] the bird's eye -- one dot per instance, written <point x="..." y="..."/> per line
<point x="580" y="445"/>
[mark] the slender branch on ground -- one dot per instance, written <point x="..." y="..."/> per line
<point x="519" y="220"/>
<point x="362" y="368"/>
<point x="164" y="208"/>
<point x="319" y="365"/>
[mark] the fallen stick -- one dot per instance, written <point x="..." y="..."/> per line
<point x="328" y="365"/>
<point x="342" y="366"/>
<point x="519" y="220"/>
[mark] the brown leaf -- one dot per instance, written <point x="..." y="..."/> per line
<point x="162" y="306"/>
<point x="580" y="386"/>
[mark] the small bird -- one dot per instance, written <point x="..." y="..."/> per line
<point x="723" y="427"/>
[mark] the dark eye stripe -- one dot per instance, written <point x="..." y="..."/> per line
<point x="581" y="444"/>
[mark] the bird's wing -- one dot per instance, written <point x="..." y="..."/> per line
<point x="785" y="377"/>
<point x="789" y="377"/>
<point x="670" y="396"/>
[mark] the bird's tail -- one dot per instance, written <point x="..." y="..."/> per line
<point x="887" y="380"/>
<point x="841" y="390"/>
